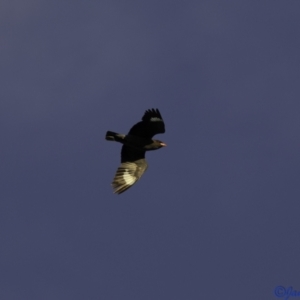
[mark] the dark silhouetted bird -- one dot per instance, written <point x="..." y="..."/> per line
<point x="135" y="144"/>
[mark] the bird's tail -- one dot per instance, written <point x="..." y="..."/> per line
<point x="113" y="136"/>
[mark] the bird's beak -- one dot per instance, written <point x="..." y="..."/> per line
<point x="163" y="144"/>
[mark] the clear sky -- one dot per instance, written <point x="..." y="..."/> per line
<point x="216" y="215"/>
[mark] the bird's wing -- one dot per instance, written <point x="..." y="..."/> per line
<point x="133" y="165"/>
<point x="152" y="123"/>
<point x="128" y="174"/>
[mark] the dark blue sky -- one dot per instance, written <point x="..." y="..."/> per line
<point x="216" y="215"/>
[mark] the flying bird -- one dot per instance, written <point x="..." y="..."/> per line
<point x="135" y="144"/>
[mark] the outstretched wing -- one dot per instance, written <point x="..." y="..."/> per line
<point x="128" y="174"/>
<point x="133" y="165"/>
<point x="152" y="123"/>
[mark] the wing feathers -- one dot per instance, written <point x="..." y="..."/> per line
<point x="152" y="123"/>
<point x="128" y="174"/>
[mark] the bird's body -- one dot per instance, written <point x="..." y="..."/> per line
<point x="133" y="141"/>
<point x="135" y="144"/>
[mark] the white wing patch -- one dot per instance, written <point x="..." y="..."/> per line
<point x="128" y="178"/>
<point x="155" y="119"/>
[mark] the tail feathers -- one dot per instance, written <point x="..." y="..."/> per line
<point x="113" y="136"/>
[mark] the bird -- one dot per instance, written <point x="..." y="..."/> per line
<point x="135" y="144"/>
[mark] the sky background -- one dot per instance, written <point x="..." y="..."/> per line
<point x="216" y="215"/>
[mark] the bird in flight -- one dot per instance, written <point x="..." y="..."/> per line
<point x="135" y="144"/>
